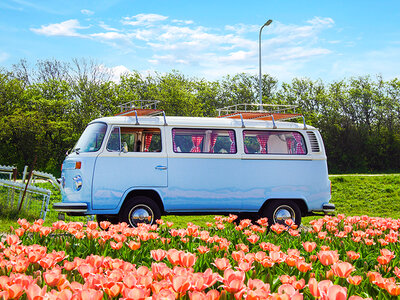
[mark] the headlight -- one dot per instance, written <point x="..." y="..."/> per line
<point x="77" y="182"/>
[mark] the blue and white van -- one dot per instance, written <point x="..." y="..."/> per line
<point x="136" y="169"/>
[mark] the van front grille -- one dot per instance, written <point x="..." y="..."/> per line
<point x="313" y="141"/>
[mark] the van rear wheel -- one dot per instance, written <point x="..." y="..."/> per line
<point x="280" y="210"/>
<point x="140" y="209"/>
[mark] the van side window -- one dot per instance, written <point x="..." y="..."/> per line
<point x="204" y="141"/>
<point x="135" y="139"/>
<point x="274" y="142"/>
<point x="114" y="140"/>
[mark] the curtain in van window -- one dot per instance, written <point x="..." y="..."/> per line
<point x="173" y="141"/>
<point x="196" y="139"/>
<point x="299" y="147"/>
<point x="244" y="138"/>
<point x="147" y="141"/>
<point x="263" y="140"/>
<point x="232" y="137"/>
<point x="213" y="140"/>
<point x="289" y="146"/>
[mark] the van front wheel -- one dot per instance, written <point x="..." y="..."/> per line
<point x="281" y="210"/>
<point x="140" y="209"/>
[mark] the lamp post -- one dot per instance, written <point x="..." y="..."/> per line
<point x="259" y="60"/>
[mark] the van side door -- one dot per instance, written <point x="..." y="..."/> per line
<point x="134" y="157"/>
<point x="203" y="171"/>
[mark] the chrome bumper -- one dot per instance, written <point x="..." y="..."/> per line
<point x="327" y="208"/>
<point x="70" y="207"/>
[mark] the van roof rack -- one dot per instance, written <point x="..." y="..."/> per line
<point x="141" y="108"/>
<point x="266" y="112"/>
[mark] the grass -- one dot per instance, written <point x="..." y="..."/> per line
<point x="377" y="196"/>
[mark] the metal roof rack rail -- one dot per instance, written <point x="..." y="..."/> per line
<point x="141" y="108"/>
<point x="267" y="112"/>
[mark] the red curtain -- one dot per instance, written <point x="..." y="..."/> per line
<point x="173" y="141"/>
<point x="299" y="140"/>
<point x="196" y="139"/>
<point x="289" y="146"/>
<point x="147" y="141"/>
<point x="233" y="146"/>
<point x="213" y="140"/>
<point x="263" y="140"/>
<point x="244" y="139"/>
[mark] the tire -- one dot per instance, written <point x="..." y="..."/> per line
<point x="280" y="210"/>
<point x="139" y="209"/>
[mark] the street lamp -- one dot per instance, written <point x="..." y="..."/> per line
<point x="259" y="60"/>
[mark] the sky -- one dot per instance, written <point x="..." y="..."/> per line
<point x="327" y="40"/>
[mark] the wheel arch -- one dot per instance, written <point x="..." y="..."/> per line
<point x="301" y="203"/>
<point x="152" y="194"/>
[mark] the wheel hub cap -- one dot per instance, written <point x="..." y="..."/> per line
<point x="282" y="214"/>
<point x="141" y="215"/>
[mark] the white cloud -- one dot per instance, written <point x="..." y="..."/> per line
<point x="107" y="27"/>
<point x="296" y="53"/>
<point x="182" y="22"/>
<point x="87" y="12"/>
<point x="211" y="50"/>
<point x="4" y="56"/>
<point x="143" y="19"/>
<point x="169" y="58"/>
<point x="66" y="28"/>
<point x="115" y="72"/>
<point x="111" y="35"/>
<point x="384" y="61"/>
<point x="318" y="21"/>
<point x="242" y="28"/>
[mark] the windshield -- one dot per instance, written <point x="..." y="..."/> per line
<point x="91" y="138"/>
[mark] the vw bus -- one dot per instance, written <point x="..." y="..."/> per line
<point x="136" y="167"/>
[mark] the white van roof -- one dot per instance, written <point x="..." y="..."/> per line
<point x="201" y="122"/>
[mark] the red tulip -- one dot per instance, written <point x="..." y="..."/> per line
<point x="355" y="280"/>
<point x="328" y="257"/>
<point x="309" y="246"/>
<point x="158" y="254"/>
<point x="337" y="292"/>
<point x="233" y="281"/>
<point x="34" y="292"/>
<point x="180" y="284"/>
<point x="222" y="263"/>
<point x="187" y="259"/>
<point x="342" y="269"/>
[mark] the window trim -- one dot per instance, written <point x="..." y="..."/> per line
<point x="108" y="139"/>
<point x="204" y="129"/>
<point x="135" y="127"/>
<point x="102" y="142"/>
<point x="275" y="154"/>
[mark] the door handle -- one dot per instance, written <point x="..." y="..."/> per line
<point x="161" y="168"/>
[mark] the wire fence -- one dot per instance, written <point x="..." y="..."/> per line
<point x="30" y="201"/>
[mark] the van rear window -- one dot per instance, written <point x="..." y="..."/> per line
<point x="274" y="142"/>
<point x="204" y="141"/>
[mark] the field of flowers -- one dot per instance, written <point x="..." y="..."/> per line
<point x="337" y="258"/>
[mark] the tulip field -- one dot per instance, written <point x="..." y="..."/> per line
<point x="333" y="258"/>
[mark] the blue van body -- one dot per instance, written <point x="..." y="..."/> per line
<point x="106" y="181"/>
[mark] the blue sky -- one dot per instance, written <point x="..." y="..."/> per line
<point x="328" y="40"/>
